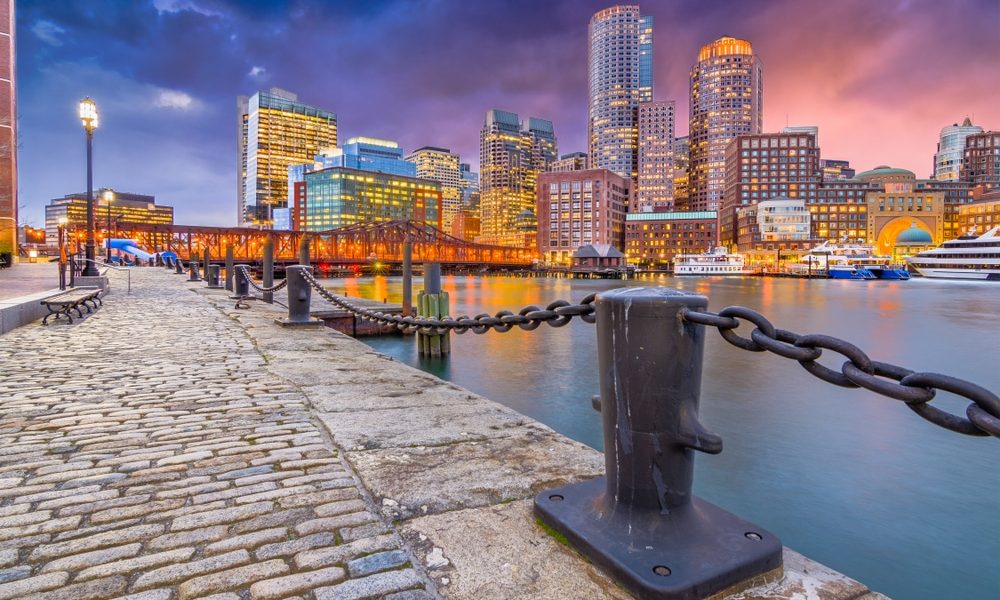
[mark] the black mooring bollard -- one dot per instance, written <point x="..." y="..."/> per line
<point x="229" y="268"/>
<point x="268" y="270"/>
<point x="240" y="284"/>
<point x="299" y="297"/>
<point x="178" y="266"/>
<point x="212" y="276"/>
<point x="641" y="521"/>
<point x="195" y="272"/>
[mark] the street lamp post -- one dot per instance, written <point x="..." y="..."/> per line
<point x="62" y="252"/>
<point x="88" y="116"/>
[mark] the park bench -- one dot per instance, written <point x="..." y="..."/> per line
<point x="62" y="304"/>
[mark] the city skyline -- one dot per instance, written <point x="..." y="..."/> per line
<point x="166" y="122"/>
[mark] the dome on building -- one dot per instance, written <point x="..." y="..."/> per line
<point x="914" y="235"/>
<point x="885" y="171"/>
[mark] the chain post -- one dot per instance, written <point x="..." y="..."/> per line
<point x="240" y="283"/>
<point x="194" y="270"/>
<point x="212" y="276"/>
<point x="299" y="298"/>
<point x="407" y="276"/>
<point x="178" y="267"/>
<point x="304" y="250"/>
<point x="268" y="265"/>
<point x="206" y="259"/>
<point x="641" y="521"/>
<point x="229" y="267"/>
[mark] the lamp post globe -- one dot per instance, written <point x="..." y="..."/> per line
<point x="88" y="117"/>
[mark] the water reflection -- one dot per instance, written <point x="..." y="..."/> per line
<point x="849" y="478"/>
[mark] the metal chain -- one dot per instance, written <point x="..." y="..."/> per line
<point x="556" y="314"/>
<point x="982" y="417"/>
<point x="274" y="288"/>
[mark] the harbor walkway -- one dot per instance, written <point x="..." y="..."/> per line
<point x="172" y="447"/>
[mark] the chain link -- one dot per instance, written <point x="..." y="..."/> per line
<point x="556" y="314"/>
<point x="982" y="417"/>
<point x="246" y="275"/>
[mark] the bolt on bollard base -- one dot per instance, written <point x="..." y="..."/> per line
<point x="640" y="521"/>
<point x="299" y="297"/>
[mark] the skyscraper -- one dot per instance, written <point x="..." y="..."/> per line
<point x="441" y="165"/>
<point x="655" y="187"/>
<point x="951" y="148"/>
<point x="511" y="154"/>
<point x="620" y="77"/>
<point x="726" y="101"/>
<point x="981" y="162"/>
<point x="275" y="132"/>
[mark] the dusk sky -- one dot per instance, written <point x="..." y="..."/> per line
<point x="879" y="77"/>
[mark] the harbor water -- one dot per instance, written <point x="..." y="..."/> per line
<point x="851" y="479"/>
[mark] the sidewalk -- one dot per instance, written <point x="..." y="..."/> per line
<point x="147" y="450"/>
<point x="28" y="278"/>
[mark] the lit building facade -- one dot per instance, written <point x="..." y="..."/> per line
<point x="726" y="102"/>
<point x="951" y="150"/>
<point x="470" y="184"/>
<point x="441" y="165"/>
<point x="620" y="76"/>
<point x="125" y="208"/>
<point x="981" y="161"/>
<point x="511" y="155"/>
<point x="835" y="170"/>
<point x="655" y="184"/>
<point x="682" y="155"/>
<point x="765" y="166"/>
<point x="773" y="231"/>
<point x="465" y="225"/>
<point x="339" y="196"/>
<point x="574" y="161"/>
<point x="368" y="154"/>
<point x="8" y="131"/>
<point x="653" y="239"/>
<point x="980" y="216"/>
<point x="275" y="131"/>
<point x="898" y="206"/>
<point x="579" y="208"/>
<point x="840" y="211"/>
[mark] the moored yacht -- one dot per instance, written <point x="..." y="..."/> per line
<point x="967" y="257"/>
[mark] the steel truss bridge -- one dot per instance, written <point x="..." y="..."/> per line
<point x="347" y="246"/>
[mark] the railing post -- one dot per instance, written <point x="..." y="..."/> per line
<point x="241" y="288"/>
<point x="195" y="272"/>
<point x="268" y="264"/>
<point x="299" y="297"/>
<point x="641" y="521"/>
<point x="229" y="267"/>
<point x="212" y="276"/>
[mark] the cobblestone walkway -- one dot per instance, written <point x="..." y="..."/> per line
<point x="147" y="453"/>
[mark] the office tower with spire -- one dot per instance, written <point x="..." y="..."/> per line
<point x="511" y="155"/>
<point x="275" y="131"/>
<point x="726" y="101"/>
<point x="951" y="148"/>
<point x="620" y="77"/>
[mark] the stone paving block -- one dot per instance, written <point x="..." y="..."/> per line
<point x="223" y="515"/>
<point x="93" y="542"/>
<point x="231" y="579"/>
<point x="248" y="541"/>
<point x="98" y="589"/>
<point x="333" y="523"/>
<point x="137" y="564"/>
<point x="290" y="547"/>
<point x="8" y="556"/>
<point x="175" y="574"/>
<point x="14" y="573"/>
<point x="380" y="561"/>
<point x="322" y="557"/>
<point x="372" y="586"/>
<point x="90" y="559"/>
<point x="299" y="583"/>
<point x="29" y="585"/>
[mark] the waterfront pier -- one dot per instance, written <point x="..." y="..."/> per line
<point x="173" y="446"/>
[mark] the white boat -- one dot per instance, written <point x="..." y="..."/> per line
<point x="847" y="261"/>
<point x="967" y="257"/>
<point x="715" y="262"/>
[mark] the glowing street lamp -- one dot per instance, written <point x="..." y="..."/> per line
<point x="88" y="116"/>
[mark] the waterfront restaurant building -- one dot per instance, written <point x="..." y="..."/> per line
<point x="653" y="239"/>
<point x="773" y="231"/>
<point x="125" y="208"/>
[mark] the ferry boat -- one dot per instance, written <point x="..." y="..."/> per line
<point x="714" y="262"/>
<point x="966" y="257"/>
<point x="849" y="261"/>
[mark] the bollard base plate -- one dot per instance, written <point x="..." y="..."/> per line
<point x="309" y="323"/>
<point x="692" y="552"/>
<point x="215" y="287"/>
